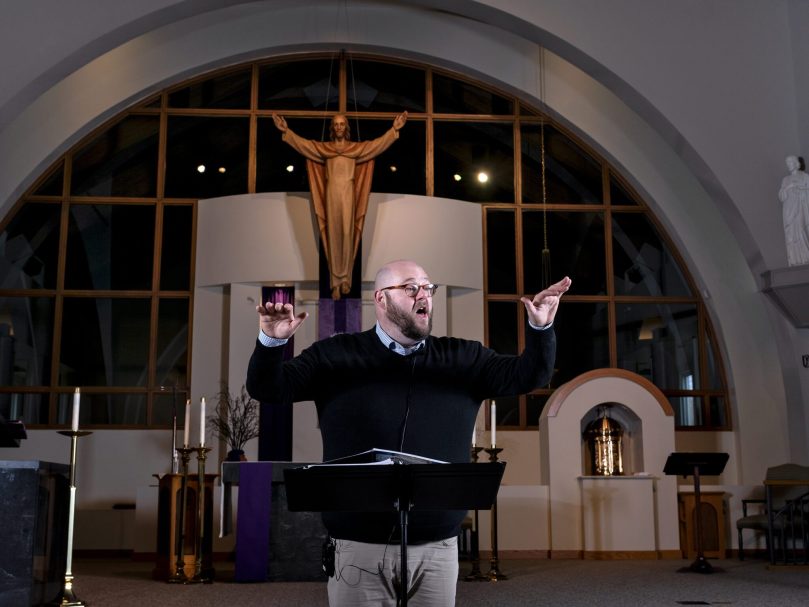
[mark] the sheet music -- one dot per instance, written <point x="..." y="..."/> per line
<point x="380" y="457"/>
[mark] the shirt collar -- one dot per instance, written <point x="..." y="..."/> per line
<point x="395" y="346"/>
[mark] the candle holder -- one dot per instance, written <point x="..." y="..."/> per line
<point x="179" y="576"/>
<point x="494" y="575"/>
<point x="476" y="575"/>
<point x="68" y="596"/>
<point x="175" y="459"/>
<point x="201" y="576"/>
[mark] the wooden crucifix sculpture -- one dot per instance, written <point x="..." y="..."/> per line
<point x="340" y="173"/>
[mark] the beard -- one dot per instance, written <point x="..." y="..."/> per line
<point x="404" y="321"/>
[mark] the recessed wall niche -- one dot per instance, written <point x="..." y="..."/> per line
<point x="631" y="443"/>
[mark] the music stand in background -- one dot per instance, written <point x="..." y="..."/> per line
<point x="695" y="464"/>
<point x="398" y="487"/>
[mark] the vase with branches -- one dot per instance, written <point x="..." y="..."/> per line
<point x="235" y="420"/>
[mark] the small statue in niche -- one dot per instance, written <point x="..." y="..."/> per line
<point x="794" y="195"/>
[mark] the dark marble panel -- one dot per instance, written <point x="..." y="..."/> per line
<point x="296" y="542"/>
<point x="34" y="499"/>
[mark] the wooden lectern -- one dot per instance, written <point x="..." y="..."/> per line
<point x="169" y="504"/>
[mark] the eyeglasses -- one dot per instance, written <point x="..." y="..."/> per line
<point x="412" y="289"/>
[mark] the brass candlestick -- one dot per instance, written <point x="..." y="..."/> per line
<point x="494" y="574"/>
<point x="201" y="576"/>
<point x="175" y="463"/>
<point x="476" y="575"/>
<point x="68" y="596"/>
<point x="179" y="576"/>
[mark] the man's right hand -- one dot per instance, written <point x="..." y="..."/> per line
<point x="278" y="320"/>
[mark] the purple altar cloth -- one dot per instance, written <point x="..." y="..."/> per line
<point x="253" y="522"/>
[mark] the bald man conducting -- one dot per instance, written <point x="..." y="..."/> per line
<point x="396" y="387"/>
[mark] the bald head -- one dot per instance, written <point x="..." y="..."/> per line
<point x="399" y="272"/>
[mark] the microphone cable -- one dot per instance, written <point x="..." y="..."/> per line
<point x="409" y="397"/>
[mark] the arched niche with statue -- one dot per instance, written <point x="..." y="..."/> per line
<point x="648" y="420"/>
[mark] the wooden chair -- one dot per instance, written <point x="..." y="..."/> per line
<point x="783" y="516"/>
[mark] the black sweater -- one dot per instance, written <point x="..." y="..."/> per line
<point x="364" y="392"/>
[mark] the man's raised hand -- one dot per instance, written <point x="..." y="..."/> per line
<point x="542" y="308"/>
<point x="278" y="320"/>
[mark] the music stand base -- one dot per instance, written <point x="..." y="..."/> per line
<point x="700" y="565"/>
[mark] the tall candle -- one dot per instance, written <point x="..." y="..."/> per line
<point x="494" y="424"/>
<point x="74" y="425"/>
<point x="174" y="425"/>
<point x="202" y="422"/>
<point x="187" y="424"/>
<point x="474" y="433"/>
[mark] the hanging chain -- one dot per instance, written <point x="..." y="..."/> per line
<point x="343" y="7"/>
<point x="357" y="137"/>
<point x="354" y="90"/>
<point x="546" y="252"/>
<point x="328" y="94"/>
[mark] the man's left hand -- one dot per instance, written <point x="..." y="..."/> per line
<point x="542" y="308"/>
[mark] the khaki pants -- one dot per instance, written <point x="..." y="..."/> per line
<point x="368" y="574"/>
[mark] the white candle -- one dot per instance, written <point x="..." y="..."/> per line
<point x="494" y="424"/>
<point x="187" y="423"/>
<point x="202" y="422"/>
<point x="76" y="404"/>
<point x="474" y="433"/>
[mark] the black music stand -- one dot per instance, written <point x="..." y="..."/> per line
<point x="694" y="464"/>
<point x="398" y="487"/>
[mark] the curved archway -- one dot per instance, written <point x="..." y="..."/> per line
<point x="559" y="397"/>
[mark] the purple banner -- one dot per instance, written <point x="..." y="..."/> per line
<point x="340" y="316"/>
<point x="253" y="522"/>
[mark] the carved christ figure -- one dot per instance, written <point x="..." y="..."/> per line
<point x="340" y="173"/>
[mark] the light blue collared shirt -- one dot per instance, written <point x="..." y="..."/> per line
<point x="394" y="346"/>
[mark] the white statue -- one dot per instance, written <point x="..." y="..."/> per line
<point x="794" y="194"/>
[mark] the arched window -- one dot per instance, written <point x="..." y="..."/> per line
<point x="96" y="260"/>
